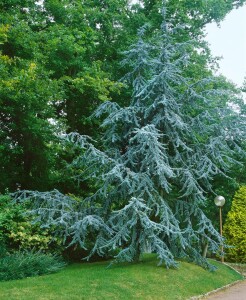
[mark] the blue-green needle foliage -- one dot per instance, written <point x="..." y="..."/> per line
<point x="156" y="163"/>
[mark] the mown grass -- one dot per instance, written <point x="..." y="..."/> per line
<point x="125" y="281"/>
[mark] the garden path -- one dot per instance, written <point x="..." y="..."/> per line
<point x="235" y="292"/>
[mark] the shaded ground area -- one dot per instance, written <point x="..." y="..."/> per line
<point x="235" y="292"/>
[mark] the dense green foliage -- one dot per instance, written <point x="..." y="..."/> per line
<point x="26" y="264"/>
<point x="235" y="228"/>
<point x="53" y="63"/>
<point x="3" y="249"/>
<point x="137" y="281"/>
<point x="25" y="97"/>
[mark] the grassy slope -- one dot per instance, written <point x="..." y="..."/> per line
<point x="126" y="281"/>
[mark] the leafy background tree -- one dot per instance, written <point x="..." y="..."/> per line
<point x="58" y="40"/>
<point x="26" y="133"/>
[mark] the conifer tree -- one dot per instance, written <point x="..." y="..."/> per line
<point x="155" y="163"/>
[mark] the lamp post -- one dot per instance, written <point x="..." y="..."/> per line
<point x="220" y="201"/>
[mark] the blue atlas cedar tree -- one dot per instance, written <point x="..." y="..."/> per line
<point x="159" y="156"/>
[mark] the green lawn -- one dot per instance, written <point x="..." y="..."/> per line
<point x="126" y="281"/>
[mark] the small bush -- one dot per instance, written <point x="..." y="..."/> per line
<point x="18" y="231"/>
<point x="235" y="228"/>
<point x="23" y="264"/>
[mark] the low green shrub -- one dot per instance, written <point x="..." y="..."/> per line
<point x="18" y="232"/>
<point x="27" y="264"/>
